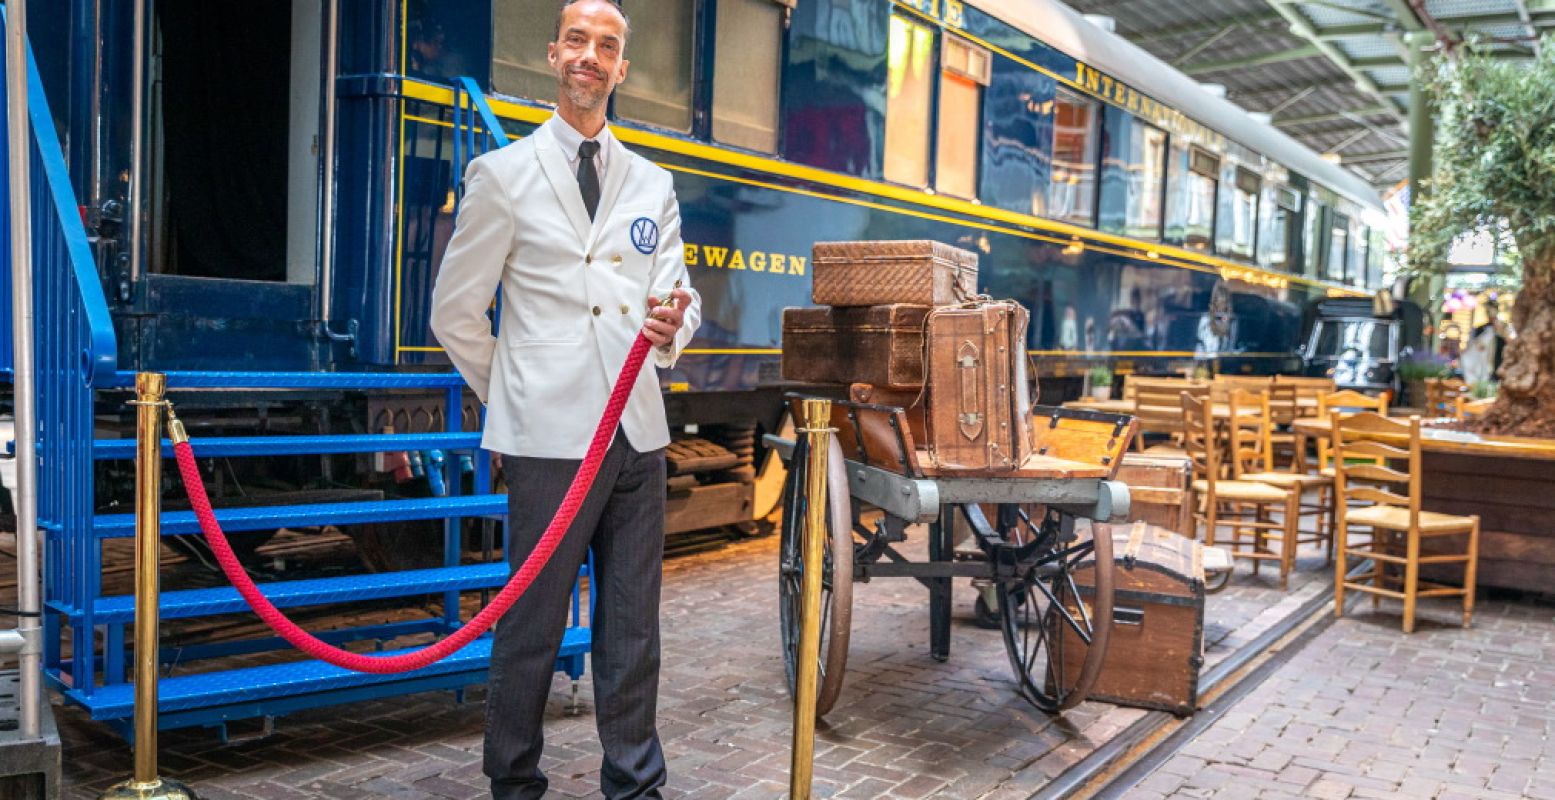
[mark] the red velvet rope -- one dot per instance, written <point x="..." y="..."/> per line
<point x="483" y="621"/>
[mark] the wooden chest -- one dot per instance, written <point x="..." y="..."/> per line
<point x="918" y="272"/>
<point x="1158" y="489"/>
<point x="1157" y="642"/>
<point x="879" y="345"/>
<point x="979" y="402"/>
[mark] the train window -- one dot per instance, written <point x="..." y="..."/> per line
<point x="1355" y="260"/>
<point x="518" y="63"/>
<point x="658" y="88"/>
<point x="1133" y="171"/>
<point x="1237" y="221"/>
<point x="1317" y="217"/>
<point x="747" y="56"/>
<point x="964" y="74"/>
<point x="1279" y="246"/>
<point x="1338" y="247"/>
<point x="1072" y="194"/>
<point x="909" y="92"/>
<point x="1195" y="199"/>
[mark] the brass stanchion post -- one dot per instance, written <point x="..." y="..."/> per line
<point x="150" y="387"/>
<point x="817" y="418"/>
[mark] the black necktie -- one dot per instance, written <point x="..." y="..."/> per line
<point x="588" y="177"/>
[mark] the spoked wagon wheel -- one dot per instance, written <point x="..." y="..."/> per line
<point x="836" y="575"/>
<point x="1057" y="617"/>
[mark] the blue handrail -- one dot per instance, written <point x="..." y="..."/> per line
<point x="69" y="295"/>
<point x="75" y="351"/>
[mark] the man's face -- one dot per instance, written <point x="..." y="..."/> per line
<point x="587" y="54"/>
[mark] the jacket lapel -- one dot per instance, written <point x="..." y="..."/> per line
<point x="554" y="162"/>
<point x="620" y="160"/>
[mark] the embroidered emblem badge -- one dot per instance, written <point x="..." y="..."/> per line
<point x="645" y="235"/>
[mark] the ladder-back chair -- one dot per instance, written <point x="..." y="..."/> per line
<point x="1158" y="408"/>
<point x="1242" y="507"/>
<point x="1252" y="459"/>
<point x="1399" y="527"/>
<point x="1346" y="401"/>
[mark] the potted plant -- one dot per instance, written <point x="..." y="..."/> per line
<point x="1101" y="383"/>
<point x="1493" y="151"/>
<point x="1494" y="148"/>
<point x="1412" y="372"/>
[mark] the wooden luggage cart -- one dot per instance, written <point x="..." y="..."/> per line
<point x="1032" y="528"/>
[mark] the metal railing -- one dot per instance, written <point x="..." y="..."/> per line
<point x="70" y="313"/>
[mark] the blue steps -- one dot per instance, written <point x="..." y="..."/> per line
<point x="235" y="446"/>
<point x="120" y="609"/>
<point x="239" y="693"/>
<point x="260" y="518"/>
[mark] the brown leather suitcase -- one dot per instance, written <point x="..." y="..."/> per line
<point x="880" y="345"/>
<point x="1158" y="489"/>
<point x="1157" y="644"/>
<point x="979" y="401"/>
<point x="915" y="272"/>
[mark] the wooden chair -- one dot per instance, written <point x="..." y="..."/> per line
<point x="1465" y="407"/>
<point x="1252" y="459"/>
<point x="1441" y="395"/>
<point x="1243" y="507"/>
<point x="1345" y="401"/>
<point x="1283" y="410"/>
<point x="1158" y="407"/>
<point x="1223" y="385"/>
<point x="1308" y="390"/>
<point x="1399" y="527"/>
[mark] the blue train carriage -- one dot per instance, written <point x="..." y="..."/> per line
<point x="1147" y="224"/>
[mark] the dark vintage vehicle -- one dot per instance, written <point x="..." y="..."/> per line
<point x="1359" y="345"/>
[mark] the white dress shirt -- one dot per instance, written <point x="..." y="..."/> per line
<point x="569" y="138"/>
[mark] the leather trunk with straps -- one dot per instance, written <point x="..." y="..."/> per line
<point x="879" y="345"/>
<point x="978" y="398"/>
<point x="1157" y="645"/>
<point x="915" y="272"/>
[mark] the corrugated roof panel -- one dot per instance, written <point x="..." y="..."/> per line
<point x="1323" y="16"/>
<point x="1368" y="47"/>
<point x="1389" y="76"/>
<point x="1463" y="8"/>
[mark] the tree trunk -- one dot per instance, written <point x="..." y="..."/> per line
<point x="1526" y="404"/>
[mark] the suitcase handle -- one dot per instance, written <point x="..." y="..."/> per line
<point x="1124" y="615"/>
<point x="967" y="363"/>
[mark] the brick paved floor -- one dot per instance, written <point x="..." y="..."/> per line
<point x="1365" y="711"/>
<point x="906" y="725"/>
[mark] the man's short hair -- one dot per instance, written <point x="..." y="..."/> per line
<point x="566" y="3"/>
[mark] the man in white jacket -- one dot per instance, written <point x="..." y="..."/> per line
<point x="581" y="238"/>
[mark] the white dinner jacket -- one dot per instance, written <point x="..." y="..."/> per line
<point x="574" y="294"/>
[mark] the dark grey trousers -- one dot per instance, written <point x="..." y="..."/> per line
<point x="623" y="520"/>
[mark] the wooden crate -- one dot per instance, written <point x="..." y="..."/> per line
<point x="915" y="272"/>
<point x="1157" y="645"/>
<point x="879" y="345"/>
<point x="1158" y="489"/>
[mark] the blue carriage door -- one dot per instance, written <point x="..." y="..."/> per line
<point x="234" y="107"/>
<point x="232" y="179"/>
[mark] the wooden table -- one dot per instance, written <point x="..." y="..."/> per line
<point x="1434" y="440"/>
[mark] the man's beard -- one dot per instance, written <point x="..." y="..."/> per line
<point x="582" y="96"/>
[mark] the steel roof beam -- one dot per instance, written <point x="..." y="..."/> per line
<point x="1277" y="57"/>
<point x="1302" y="27"/>
<point x="1372" y="158"/>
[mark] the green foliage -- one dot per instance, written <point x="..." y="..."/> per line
<point x="1483" y="389"/>
<point x="1420" y="366"/>
<point x="1101" y="376"/>
<point x="1495" y="159"/>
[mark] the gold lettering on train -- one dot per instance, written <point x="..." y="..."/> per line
<point x="1114" y="91"/>
<point x="712" y="257"/>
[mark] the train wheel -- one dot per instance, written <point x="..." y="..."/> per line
<point x="836" y="576"/>
<point x="1055" y="631"/>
